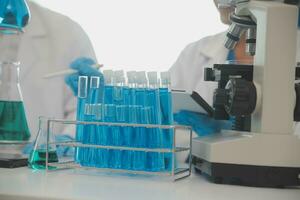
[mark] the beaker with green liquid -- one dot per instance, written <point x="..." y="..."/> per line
<point x="37" y="158"/>
<point x="13" y="122"/>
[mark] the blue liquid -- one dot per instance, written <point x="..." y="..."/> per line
<point x="107" y="131"/>
<point x="155" y="161"/>
<point x="113" y="136"/>
<point x="167" y="119"/>
<point x="139" y="137"/>
<point x="116" y="138"/>
<point x="101" y="139"/>
<point x="90" y="131"/>
<point x="79" y="129"/>
<point x="139" y="141"/>
<point x="108" y="94"/>
<point x="118" y="95"/>
<point x="128" y="105"/>
<point x="128" y="132"/>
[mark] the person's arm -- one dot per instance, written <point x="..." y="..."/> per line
<point x="80" y="46"/>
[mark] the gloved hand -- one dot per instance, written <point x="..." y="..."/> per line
<point x="64" y="150"/>
<point x="201" y="123"/>
<point x="60" y="150"/>
<point x="84" y="68"/>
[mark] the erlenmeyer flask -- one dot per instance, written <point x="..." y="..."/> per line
<point x="37" y="158"/>
<point x="14" y="16"/>
<point x="13" y="123"/>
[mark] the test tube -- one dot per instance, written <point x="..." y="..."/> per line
<point x="118" y="83"/>
<point x="110" y="117"/>
<point x="108" y="88"/>
<point x="129" y="134"/>
<point x="155" y="136"/>
<point x="95" y="99"/>
<point x="90" y="115"/>
<point x="82" y="95"/>
<point x="139" y="157"/>
<point x="118" y="133"/>
<point x="132" y="85"/>
<point x="101" y="138"/>
<point x="167" y="116"/>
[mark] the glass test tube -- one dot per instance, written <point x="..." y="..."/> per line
<point x="139" y="157"/>
<point x="155" y="136"/>
<point x="110" y="117"/>
<point x="101" y="138"/>
<point x="96" y="98"/>
<point x="167" y="116"/>
<point x="82" y="95"/>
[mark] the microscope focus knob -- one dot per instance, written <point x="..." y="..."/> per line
<point x="242" y="97"/>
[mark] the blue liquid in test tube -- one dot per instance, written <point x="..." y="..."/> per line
<point x="90" y="131"/>
<point x="155" y="160"/>
<point x="118" y="90"/>
<point x="108" y="89"/>
<point x="82" y="95"/>
<point x="111" y="131"/>
<point x="138" y="157"/>
<point x="167" y="117"/>
<point x="130" y="117"/>
<point x="155" y="137"/>
<point x="101" y="138"/>
<point x="127" y="135"/>
<point x="118" y="135"/>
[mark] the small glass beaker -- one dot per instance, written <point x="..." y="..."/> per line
<point x="13" y="122"/>
<point x="37" y="158"/>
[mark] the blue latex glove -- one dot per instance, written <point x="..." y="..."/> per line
<point x="84" y="68"/>
<point x="201" y="123"/>
<point x="60" y="150"/>
<point x="63" y="150"/>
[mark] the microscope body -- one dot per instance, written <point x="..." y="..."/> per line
<point x="262" y="150"/>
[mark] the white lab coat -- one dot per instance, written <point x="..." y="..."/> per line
<point x="50" y="43"/>
<point x="188" y="71"/>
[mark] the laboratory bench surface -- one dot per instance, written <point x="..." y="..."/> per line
<point x="24" y="184"/>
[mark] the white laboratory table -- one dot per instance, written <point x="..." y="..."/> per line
<point x="26" y="184"/>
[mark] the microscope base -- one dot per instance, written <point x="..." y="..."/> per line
<point x="247" y="175"/>
<point x="260" y="160"/>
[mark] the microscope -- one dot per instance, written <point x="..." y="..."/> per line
<point x="262" y="98"/>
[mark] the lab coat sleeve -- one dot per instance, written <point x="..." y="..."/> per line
<point x="182" y="71"/>
<point x="187" y="71"/>
<point x="79" y="46"/>
<point x="177" y="70"/>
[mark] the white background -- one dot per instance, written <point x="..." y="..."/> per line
<point x="141" y="34"/>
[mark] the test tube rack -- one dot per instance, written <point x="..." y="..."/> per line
<point x="176" y="173"/>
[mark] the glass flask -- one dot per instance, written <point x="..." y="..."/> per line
<point x="13" y="123"/>
<point x="14" y="16"/>
<point x="37" y="158"/>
